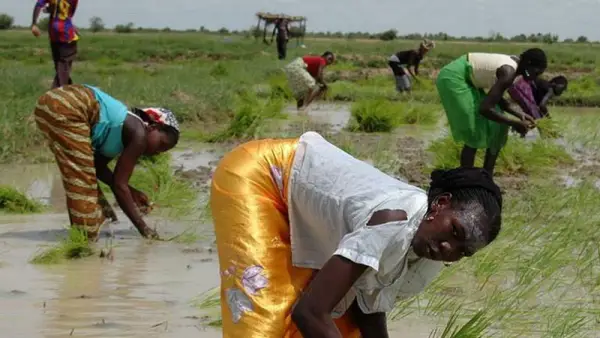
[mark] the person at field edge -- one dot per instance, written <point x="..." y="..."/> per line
<point x="63" y="36"/>
<point x="87" y="128"/>
<point x="305" y="77"/>
<point x="401" y="63"/>
<point x="533" y="96"/>
<point x="315" y="243"/>
<point x="282" y="29"/>
<point x="476" y="118"/>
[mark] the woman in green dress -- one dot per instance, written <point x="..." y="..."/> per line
<point x="471" y="90"/>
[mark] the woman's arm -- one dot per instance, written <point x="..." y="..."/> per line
<point x="506" y="76"/>
<point x="370" y="325"/>
<point x="135" y="146"/>
<point x="312" y="313"/>
<point x="547" y="97"/>
<point x="320" y="72"/>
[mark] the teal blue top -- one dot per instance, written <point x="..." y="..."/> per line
<point x="107" y="133"/>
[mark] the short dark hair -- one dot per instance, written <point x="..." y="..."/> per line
<point x="559" y="81"/>
<point x="533" y="57"/>
<point x="471" y="185"/>
<point x="328" y="53"/>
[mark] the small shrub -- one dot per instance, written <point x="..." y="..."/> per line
<point x="14" y="201"/>
<point x="416" y="114"/>
<point x="280" y="88"/>
<point x="373" y="116"/>
<point x="6" y="21"/>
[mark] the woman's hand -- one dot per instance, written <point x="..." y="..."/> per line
<point x="141" y="200"/>
<point x="521" y="127"/>
<point x="149" y="233"/>
<point x="527" y="118"/>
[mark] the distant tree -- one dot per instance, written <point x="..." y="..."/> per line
<point x="223" y="31"/>
<point x="166" y="29"/>
<point x="568" y="40"/>
<point x="96" y="24"/>
<point x="389" y="35"/>
<point x="582" y="39"/>
<point x="44" y="23"/>
<point x="6" y="21"/>
<point x="128" y="28"/>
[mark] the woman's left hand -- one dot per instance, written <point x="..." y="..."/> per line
<point x="527" y="118"/>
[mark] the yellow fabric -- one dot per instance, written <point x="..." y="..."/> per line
<point x="65" y="115"/>
<point x="259" y="285"/>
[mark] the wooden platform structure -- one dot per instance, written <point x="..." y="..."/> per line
<point x="297" y="29"/>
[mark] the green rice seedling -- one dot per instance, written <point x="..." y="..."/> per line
<point x="250" y="114"/>
<point x="475" y="327"/>
<point x="373" y="116"/>
<point x="549" y="128"/>
<point x="14" y="201"/>
<point x="414" y="113"/>
<point x="74" y="246"/>
<point x="209" y="304"/>
<point x="279" y="87"/>
<point x="219" y="70"/>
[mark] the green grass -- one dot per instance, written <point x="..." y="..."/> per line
<point x="14" y="201"/>
<point x="541" y="156"/>
<point x="74" y="246"/>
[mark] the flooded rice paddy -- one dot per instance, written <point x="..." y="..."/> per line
<point x="150" y="289"/>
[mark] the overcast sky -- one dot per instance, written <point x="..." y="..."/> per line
<point x="569" y="18"/>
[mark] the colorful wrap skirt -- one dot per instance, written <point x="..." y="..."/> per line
<point x="299" y="79"/>
<point x="461" y="101"/>
<point x="259" y="284"/>
<point x="65" y="115"/>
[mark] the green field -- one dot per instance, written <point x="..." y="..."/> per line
<point x="539" y="279"/>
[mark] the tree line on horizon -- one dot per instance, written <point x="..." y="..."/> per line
<point x="96" y="24"/>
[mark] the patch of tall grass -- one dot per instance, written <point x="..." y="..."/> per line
<point x="74" y="246"/>
<point x="517" y="157"/>
<point x="14" y="201"/>
<point x="383" y="116"/>
<point x="250" y="116"/>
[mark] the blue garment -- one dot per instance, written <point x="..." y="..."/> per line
<point x="107" y="133"/>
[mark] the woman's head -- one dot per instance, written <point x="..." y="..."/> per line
<point x="532" y="63"/>
<point x="329" y="57"/>
<point x="162" y="129"/>
<point x="559" y="84"/>
<point x="464" y="215"/>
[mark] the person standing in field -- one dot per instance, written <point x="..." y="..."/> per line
<point x="402" y="62"/>
<point x="305" y="77"/>
<point x="87" y="128"/>
<point x="313" y="242"/>
<point x="63" y="36"/>
<point x="477" y="118"/>
<point x="282" y="29"/>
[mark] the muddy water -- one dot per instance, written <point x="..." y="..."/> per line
<point x="333" y="116"/>
<point x="145" y="291"/>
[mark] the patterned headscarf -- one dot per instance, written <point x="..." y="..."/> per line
<point x="161" y="116"/>
<point x="427" y="44"/>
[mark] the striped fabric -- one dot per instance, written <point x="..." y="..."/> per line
<point x="65" y="115"/>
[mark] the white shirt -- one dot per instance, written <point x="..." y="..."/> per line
<point x="331" y="198"/>
<point x="485" y="66"/>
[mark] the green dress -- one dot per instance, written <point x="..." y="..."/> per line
<point x="461" y="101"/>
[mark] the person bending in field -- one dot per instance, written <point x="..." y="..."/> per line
<point x="85" y="129"/>
<point x="402" y="62"/>
<point x="477" y="118"/>
<point x="533" y="96"/>
<point x="305" y="77"/>
<point x="313" y="242"/>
